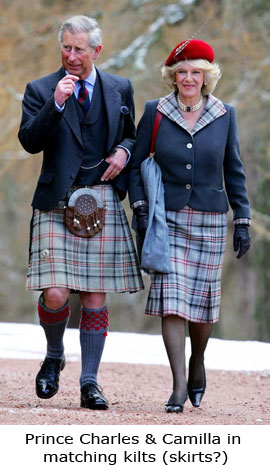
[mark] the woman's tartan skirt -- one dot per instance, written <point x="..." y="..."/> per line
<point x="193" y="287"/>
<point x="106" y="262"/>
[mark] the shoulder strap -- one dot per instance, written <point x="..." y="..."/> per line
<point x="157" y="122"/>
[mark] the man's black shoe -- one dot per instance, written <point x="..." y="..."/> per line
<point x="47" y="380"/>
<point x="92" y="398"/>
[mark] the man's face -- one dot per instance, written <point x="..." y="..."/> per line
<point x="77" y="55"/>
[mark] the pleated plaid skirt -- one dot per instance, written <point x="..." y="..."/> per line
<point x="106" y="262"/>
<point x="193" y="287"/>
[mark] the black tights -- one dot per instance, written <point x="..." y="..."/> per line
<point x="199" y="334"/>
<point x="174" y="337"/>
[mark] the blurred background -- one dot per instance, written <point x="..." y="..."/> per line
<point x="138" y="36"/>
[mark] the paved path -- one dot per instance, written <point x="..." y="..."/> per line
<point x="137" y="394"/>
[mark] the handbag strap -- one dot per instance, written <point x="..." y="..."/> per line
<point x="157" y="122"/>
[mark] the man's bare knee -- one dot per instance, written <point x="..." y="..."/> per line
<point x="55" y="297"/>
<point x="93" y="299"/>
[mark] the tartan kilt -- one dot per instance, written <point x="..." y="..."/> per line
<point x="192" y="289"/>
<point x="106" y="262"/>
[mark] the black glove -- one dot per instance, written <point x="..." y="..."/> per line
<point x="141" y="217"/>
<point x="241" y="239"/>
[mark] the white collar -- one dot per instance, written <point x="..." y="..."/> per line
<point x="91" y="77"/>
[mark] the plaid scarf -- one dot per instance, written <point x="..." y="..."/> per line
<point x="214" y="108"/>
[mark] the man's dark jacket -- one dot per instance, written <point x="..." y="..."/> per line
<point x="58" y="134"/>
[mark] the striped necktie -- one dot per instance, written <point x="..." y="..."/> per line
<point x="83" y="97"/>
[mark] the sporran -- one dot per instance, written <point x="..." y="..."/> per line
<point x="85" y="213"/>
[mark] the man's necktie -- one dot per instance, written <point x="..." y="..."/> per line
<point x="83" y="97"/>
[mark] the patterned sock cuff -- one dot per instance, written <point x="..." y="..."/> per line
<point x="48" y="316"/>
<point x="94" y="321"/>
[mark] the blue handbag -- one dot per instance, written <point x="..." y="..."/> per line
<point x="155" y="255"/>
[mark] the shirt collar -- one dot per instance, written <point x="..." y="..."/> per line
<point x="91" y="77"/>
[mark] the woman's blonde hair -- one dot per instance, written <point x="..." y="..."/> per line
<point x="211" y="71"/>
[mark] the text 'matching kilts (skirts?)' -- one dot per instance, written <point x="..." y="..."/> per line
<point x="193" y="287"/>
<point x="106" y="262"/>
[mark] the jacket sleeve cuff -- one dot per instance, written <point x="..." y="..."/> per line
<point x="60" y="108"/>
<point x="128" y="152"/>
<point x="242" y="221"/>
<point x="138" y="204"/>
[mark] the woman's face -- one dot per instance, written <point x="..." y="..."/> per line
<point x="189" y="81"/>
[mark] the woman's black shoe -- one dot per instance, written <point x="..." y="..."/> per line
<point x="174" y="408"/>
<point x="195" y="395"/>
<point x="92" y="398"/>
<point x="47" y="380"/>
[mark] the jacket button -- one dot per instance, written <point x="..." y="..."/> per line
<point x="189" y="146"/>
<point x="188" y="186"/>
<point x="188" y="166"/>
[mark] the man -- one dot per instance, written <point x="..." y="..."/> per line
<point x="82" y="119"/>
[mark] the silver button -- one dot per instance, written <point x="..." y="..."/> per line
<point x="188" y="166"/>
<point x="189" y="146"/>
<point x="188" y="186"/>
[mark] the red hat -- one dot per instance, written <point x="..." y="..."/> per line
<point x="189" y="50"/>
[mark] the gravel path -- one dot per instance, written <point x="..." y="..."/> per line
<point x="137" y="394"/>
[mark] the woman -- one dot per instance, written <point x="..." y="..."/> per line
<point x="197" y="147"/>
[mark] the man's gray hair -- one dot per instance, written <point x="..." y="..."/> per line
<point x="82" y="24"/>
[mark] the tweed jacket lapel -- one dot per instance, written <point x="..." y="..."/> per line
<point x="112" y="99"/>
<point x="214" y="109"/>
<point x="71" y="116"/>
<point x="70" y="113"/>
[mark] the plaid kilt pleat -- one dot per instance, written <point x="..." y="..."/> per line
<point x="193" y="287"/>
<point x="106" y="262"/>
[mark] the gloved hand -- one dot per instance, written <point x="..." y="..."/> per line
<point x="241" y="239"/>
<point x="141" y="217"/>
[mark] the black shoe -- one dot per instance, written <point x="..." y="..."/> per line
<point x="174" y="408"/>
<point x="195" y="395"/>
<point x="92" y="398"/>
<point x="47" y="380"/>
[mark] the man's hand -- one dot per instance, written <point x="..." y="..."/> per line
<point x="65" y="89"/>
<point x="117" y="162"/>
